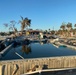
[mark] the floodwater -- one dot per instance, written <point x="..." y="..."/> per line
<point x="37" y="50"/>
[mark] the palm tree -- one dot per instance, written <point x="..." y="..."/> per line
<point x="69" y="26"/>
<point x="25" y="22"/>
<point x="49" y="29"/>
<point x="63" y="28"/>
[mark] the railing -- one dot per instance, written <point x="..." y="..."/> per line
<point x="17" y="67"/>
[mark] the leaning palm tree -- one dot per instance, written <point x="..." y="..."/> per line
<point x="25" y="22"/>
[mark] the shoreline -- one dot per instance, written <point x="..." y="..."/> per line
<point x="63" y="44"/>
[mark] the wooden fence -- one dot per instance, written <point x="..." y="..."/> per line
<point x="18" y="67"/>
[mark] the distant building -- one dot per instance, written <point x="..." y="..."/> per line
<point x="33" y="32"/>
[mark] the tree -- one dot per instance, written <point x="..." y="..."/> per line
<point x="75" y="25"/>
<point x="69" y="26"/>
<point x="59" y="32"/>
<point x="75" y="29"/>
<point x="11" y="26"/>
<point x="52" y="32"/>
<point x="63" y="26"/>
<point x="25" y="22"/>
<point x="49" y="29"/>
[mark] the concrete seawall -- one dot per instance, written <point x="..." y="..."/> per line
<point x="18" y="67"/>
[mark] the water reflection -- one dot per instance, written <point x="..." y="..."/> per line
<point x="41" y="43"/>
<point x="26" y="49"/>
<point x="37" y="49"/>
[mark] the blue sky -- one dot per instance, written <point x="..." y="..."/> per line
<point x="44" y="14"/>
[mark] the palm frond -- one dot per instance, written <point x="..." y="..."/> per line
<point x="21" y="17"/>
